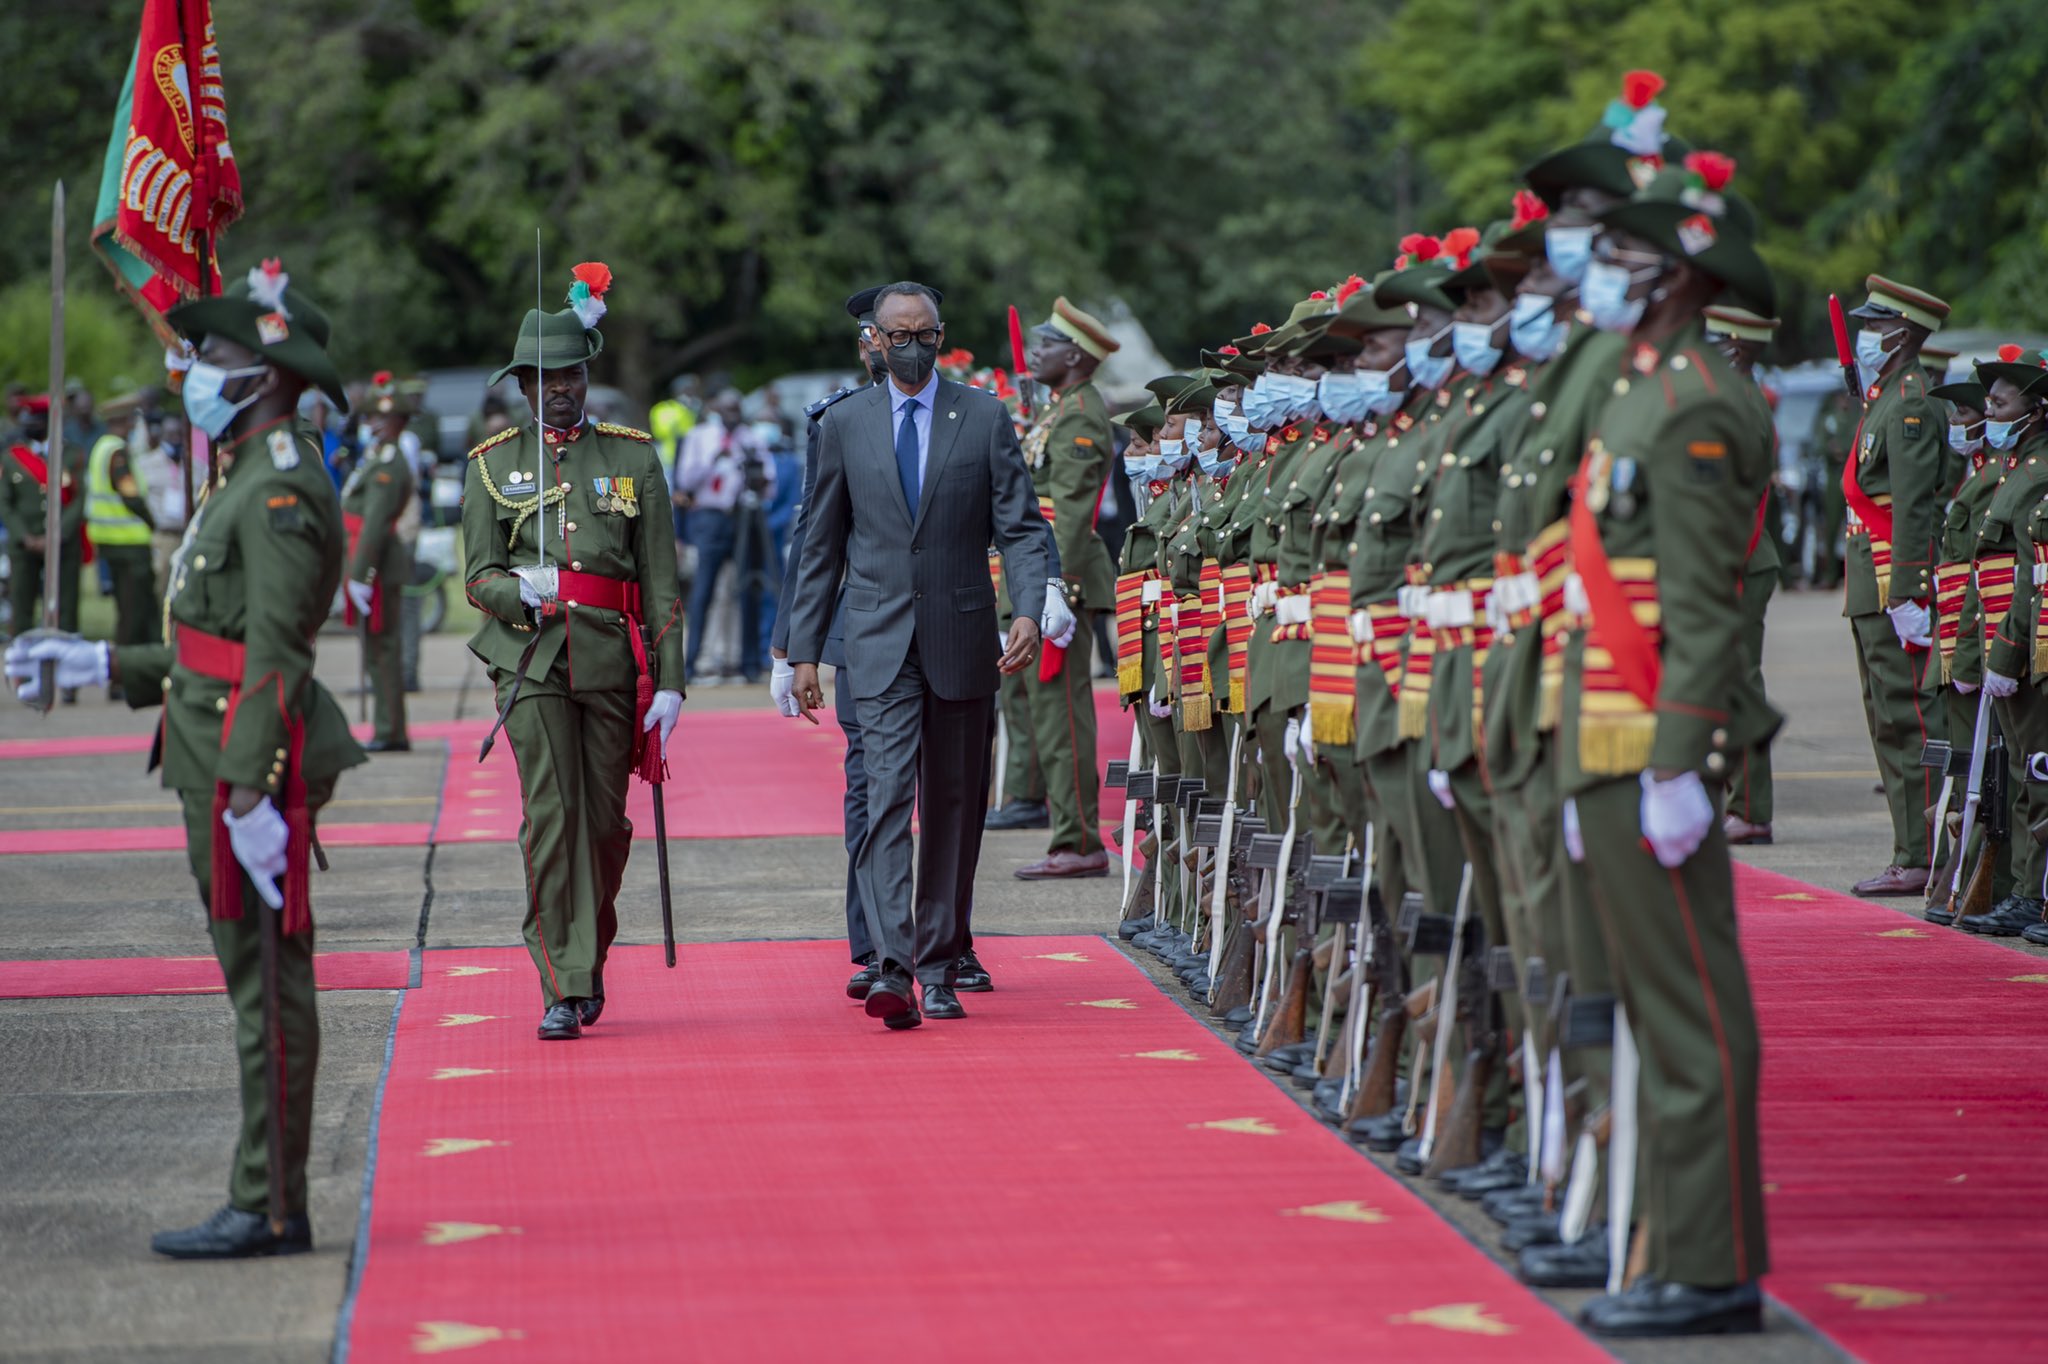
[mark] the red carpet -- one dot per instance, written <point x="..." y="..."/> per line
<point x="1905" y="1088"/>
<point x="737" y="1165"/>
<point x="71" y="977"/>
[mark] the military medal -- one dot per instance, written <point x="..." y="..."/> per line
<point x="284" y="451"/>
<point x="1596" y="479"/>
<point x="1624" y="485"/>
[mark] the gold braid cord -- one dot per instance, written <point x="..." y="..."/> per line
<point x="525" y="507"/>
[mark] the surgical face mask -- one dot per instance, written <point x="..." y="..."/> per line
<point x="1570" y="250"/>
<point x="1534" y="327"/>
<point x="1428" y="371"/>
<point x="204" y="405"/>
<point x="1263" y="405"/>
<point x="1962" y="442"/>
<point x="1173" y="456"/>
<point x="878" y="367"/>
<point x="2005" y="435"/>
<point x="1472" y="345"/>
<point x="1382" y="398"/>
<point x="1344" y="397"/>
<point x="1215" y="463"/>
<point x="1296" y="396"/>
<point x="1238" y="431"/>
<point x="1605" y="294"/>
<point x="1871" y="353"/>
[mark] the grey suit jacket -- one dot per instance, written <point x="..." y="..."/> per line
<point x="835" y="638"/>
<point x="919" y="573"/>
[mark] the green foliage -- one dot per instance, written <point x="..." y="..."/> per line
<point x="106" y="343"/>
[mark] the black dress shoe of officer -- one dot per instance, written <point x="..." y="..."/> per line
<point x="588" y="1011"/>
<point x="860" y="982"/>
<point x="1655" y="1308"/>
<point x="1503" y="1170"/>
<point x="1018" y="814"/>
<point x="971" y="977"/>
<point x="560" y="1023"/>
<point x="1383" y="1133"/>
<point x="1408" y="1158"/>
<point x="1510" y="1204"/>
<point x="1282" y="1060"/>
<point x="2008" y="918"/>
<point x="1582" y="1264"/>
<point x="889" y="999"/>
<point x="1523" y="1232"/>
<point x="231" y="1234"/>
<point x="1131" y="928"/>
<point x="941" y="1002"/>
<point x="2036" y="934"/>
<point x="1238" y="1017"/>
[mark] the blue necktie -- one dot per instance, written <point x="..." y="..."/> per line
<point x="906" y="454"/>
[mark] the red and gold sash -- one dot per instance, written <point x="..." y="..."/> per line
<point x="1384" y="648"/>
<point x="1193" y="664"/>
<point x="1617" y="722"/>
<point x="1237" y="627"/>
<point x="1995" y="577"/>
<point x="1951" y="585"/>
<point x="1332" y="659"/>
<point x="1549" y="559"/>
<point x="1421" y="657"/>
<point x="1130" y="631"/>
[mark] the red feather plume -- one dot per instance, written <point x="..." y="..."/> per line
<point x="1416" y="247"/>
<point x="1529" y="208"/>
<point x="596" y="274"/>
<point x="1260" y="329"/>
<point x="1229" y="350"/>
<point x="1715" y="169"/>
<point x="1348" y="288"/>
<point x="380" y="378"/>
<point x="1638" y="88"/>
<point x="1459" y="242"/>
<point x="2010" y="354"/>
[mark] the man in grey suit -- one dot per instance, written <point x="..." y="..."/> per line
<point x="916" y="479"/>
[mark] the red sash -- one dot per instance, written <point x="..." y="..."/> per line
<point x="353" y="524"/>
<point x="622" y="596"/>
<point x="1614" y="626"/>
<point x="37" y="468"/>
<point x="1878" y="519"/>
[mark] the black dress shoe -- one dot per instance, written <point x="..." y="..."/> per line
<point x="1582" y="1264"/>
<point x="1131" y="928"/>
<point x="1509" y="1205"/>
<point x="560" y="1023"/>
<point x="863" y="980"/>
<point x="1655" y="1308"/>
<point x="1943" y="915"/>
<point x="889" y="1000"/>
<point x="1523" y="1232"/>
<point x="2036" y="934"/>
<point x="1237" y="1017"/>
<point x="1408" y="1157"/>
<point x="970" y="977"/>
<point x="1383" y="1133"/>
<point x="1492" y="1177"/>
<point x="388" y="746"/>
<point x="940" y="1002"/>
<point x="2008" y="918"/>
<point x="1281" y="1060"/>
<point x="589" y="1010"/>
<point x="231" y="1234"/>
<point x="1019" y="814"/>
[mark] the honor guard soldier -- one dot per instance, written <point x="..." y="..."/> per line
<point x="571" y="557"/>
<point x="1666" y="498"/>
<point x="1893" y="484"/>
<point x="379" y="494"/>
<point x="251" y="742"/>
<point x="1070" y="451"/>
<point x="26" y="477"/>
<point x="119" y="523"/>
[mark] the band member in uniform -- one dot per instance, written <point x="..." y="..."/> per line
<point x="378" y="495"/>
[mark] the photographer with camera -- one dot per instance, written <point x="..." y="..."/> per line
<point x="729" y="478"/>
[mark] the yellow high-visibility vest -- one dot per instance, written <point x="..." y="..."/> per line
<point x="670" y="422"/>
<point x="107" y="518"/>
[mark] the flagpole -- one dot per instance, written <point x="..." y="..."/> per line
<point x="197" y="438"/>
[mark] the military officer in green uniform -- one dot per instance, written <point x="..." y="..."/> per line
<point x="1893" y="483"/>
<point x="1741" y="336"/>
<point x="1070" y="451"/>
<point x="119" y="524"/>
<point x="1834" y="428"/>
<point x="22" y="511"/>
<point x="1140" y="672"/>
<point x="251" y="742"/>
<point x="380" y="491"/>
<point x="1667" y="494"/>
<point x="570" y="556"/>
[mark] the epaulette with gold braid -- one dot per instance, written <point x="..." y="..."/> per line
<point x="629" y="432"/>
<point x="499" y="439"/>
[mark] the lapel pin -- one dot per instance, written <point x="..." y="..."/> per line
<point x="951" y="415"/>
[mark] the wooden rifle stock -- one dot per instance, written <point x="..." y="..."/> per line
<point x="1938" y="888"/>
<point x="1458" y="1139"/>
<point x="1232" y="988"/>
<point x="1289" y="1023"/>
<point x="1140" y="903"/>
<point x="1994" y="818"/>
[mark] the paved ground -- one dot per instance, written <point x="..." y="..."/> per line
<point x="118" y="1115"/>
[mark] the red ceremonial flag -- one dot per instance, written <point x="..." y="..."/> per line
<point x="169" y="185"/>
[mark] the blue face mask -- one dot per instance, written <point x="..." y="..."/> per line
<point x="2005" y="435"/>
<point x="1472" y="345"/>
<point x="1382" y="399"/>
<point x="1534" y="327"/>
<point x="1570" y="250"/>
<point x="1296" y="396"/>
<point x="1962" y="442"/>
<point x="205" y="408"/>
<point x="1173" y="457"/>
<point x="1215" y="463"/>
<point x="1424" y="369"/>
<point x="1870" y="356"/>
<point x="1605" y="294"/>
<point x="1264" y="408"/>
<point x="1344" y="397"/>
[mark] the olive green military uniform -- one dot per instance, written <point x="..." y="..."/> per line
<point x="1069" y="453"/>
<point x="377" y="494"/>
<point x="596" y="505"/>
<point x="1673" y="474"/>
<point x="1897" y="459"/>
<point x="258" y="567"/>
<point x="119" y="523"/>
<point x="1183" y="554"/>
<point x="1256" y="525"/>
<point x="22" y="511"/>
<point x="1834" y="430"/>
<point x="1751" y="795"/>
<point x="1162" y="749"/>
<point x="2015" y="524"/>
<point x="1959" y="661"/>
<point x="1023" y="778"/>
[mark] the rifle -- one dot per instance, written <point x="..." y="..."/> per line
<point x="1274" y="919"/>
<point x="1845" y="354"/>
<point x="1975" y="897"/>
<point x="53" y="482"/>
<point x="1217" y="891"/>
<point x="1376" y="1083"/>
<point x="1027" y="386"/>
<point x="1119" y="779"/>
<point x="1231" y="987"/>
<point x="1458" y="1141"/>
<point x="1943" y="823"/>
<point x="1138" y="789"/>
<point x="1447" y="1004"/>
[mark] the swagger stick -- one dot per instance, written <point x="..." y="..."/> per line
<point x="53" y="477"/>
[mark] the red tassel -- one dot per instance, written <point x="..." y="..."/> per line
<point x="648" y="762"/>
<point x="1051" y="658"/>
<point x="227" y="872"/>
<point x="298" y="870"/>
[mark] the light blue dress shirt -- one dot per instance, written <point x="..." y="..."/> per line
<point x="926" y="398"/>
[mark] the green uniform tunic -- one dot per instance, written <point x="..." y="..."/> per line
<point x="1751" y="797"/>
<point x="377" y="494"/>
<point x="1162" y="748"/>
<point x="1674" y="472"/>
<point x="594" y="504"/>
<point x="1070" y="453"/>
<point x="1967" y="511"/>
<point x="2015" y="524"/>
<point x="22" y="511"/>
<point x="259" y="566"/>
<point x="1897" y="457"/>
<point x="1268" y="666"/>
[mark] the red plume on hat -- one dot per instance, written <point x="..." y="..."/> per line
<point x="1260" y="329"/>
<point x="1713" y="169"/>
<point x="1229" y="350"/>
<point x="2010" y="354"/>
<point x="1459" y="243"/>
<point x="1638" y="88"/>
<point x="1529" y="208"/>
<point x="1320" y="296"/>
<point x="380" y="379"/>
<point x="1348" y="288"/>
<point x="1417" y="248"/>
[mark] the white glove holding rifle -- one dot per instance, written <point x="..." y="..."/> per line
<point x="1911" y="623"/>
<point x="1999" y="685"/>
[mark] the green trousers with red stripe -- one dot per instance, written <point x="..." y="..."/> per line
<point x="1678" y="968"/>
<point x="1063" y="731"/>
<point x="1898" y="705"/>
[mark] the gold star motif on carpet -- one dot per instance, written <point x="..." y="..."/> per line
<point x="1349" y="1210"/>
<point x="464" y="1020"/>
<point x="458" y="1146"/>
<point x="1873" y="1298"/>
<point x="440" y="1337"/>
<point x="454" y="1233"/>
<point x="1471" y="1318"/>
<point x="1256" y="1127"/>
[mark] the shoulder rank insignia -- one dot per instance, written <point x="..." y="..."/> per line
<point x="817" y="409"/>
<point x="284" y="450"/>
<point x="624" y="432"/>
<point x="507" y="434"/>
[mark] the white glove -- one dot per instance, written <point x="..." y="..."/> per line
<point x="360" y="594"/>
<point x="537" y="585"/>
<point x="1497" y="611"/>
<point x="1966" y="688"/>
<point x="1575" y="599"/>
<point x="1440" y="787"/>
<point x="1910" y="624"/>
<point x="1999" y="685"/>
<point x="259" y="840"/>
<point x="1306" y="736"/>
<point x="1160" y="709"/>
<point x="782" y="687"/>
<point x="666" y="707"/>
<point x="1676" y="816"/>
<point x="1361" y="627"/>
<point x="80" y="663"/>
<point x="1574" y="841"/>
<point x="1292" y="609"/>
<point x="1291" y="745"/>
<point x="1056" y="622"/>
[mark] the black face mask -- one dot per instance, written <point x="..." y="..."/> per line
<point x="878" y="368"/>
<point x="912" y="364"/>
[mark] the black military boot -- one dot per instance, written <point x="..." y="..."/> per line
<point x="2008" y="918"/>
<point x="231" y="1234"/>
<point x="1582" y="1264"/>
<point x="1652" y="1307"/>
<point x="588" y="1010"/>
<point x="2036" y="934"/>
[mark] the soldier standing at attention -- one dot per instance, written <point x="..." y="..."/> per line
<point x="251" y="742"/>
<point x="119" y="523"/>
<point x="1893" y="485"/>
<point x="22" y="483"/>
<point x="571" y="560"/>
<point x="377" y="495"/>
<point x="1069" y="453"/>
